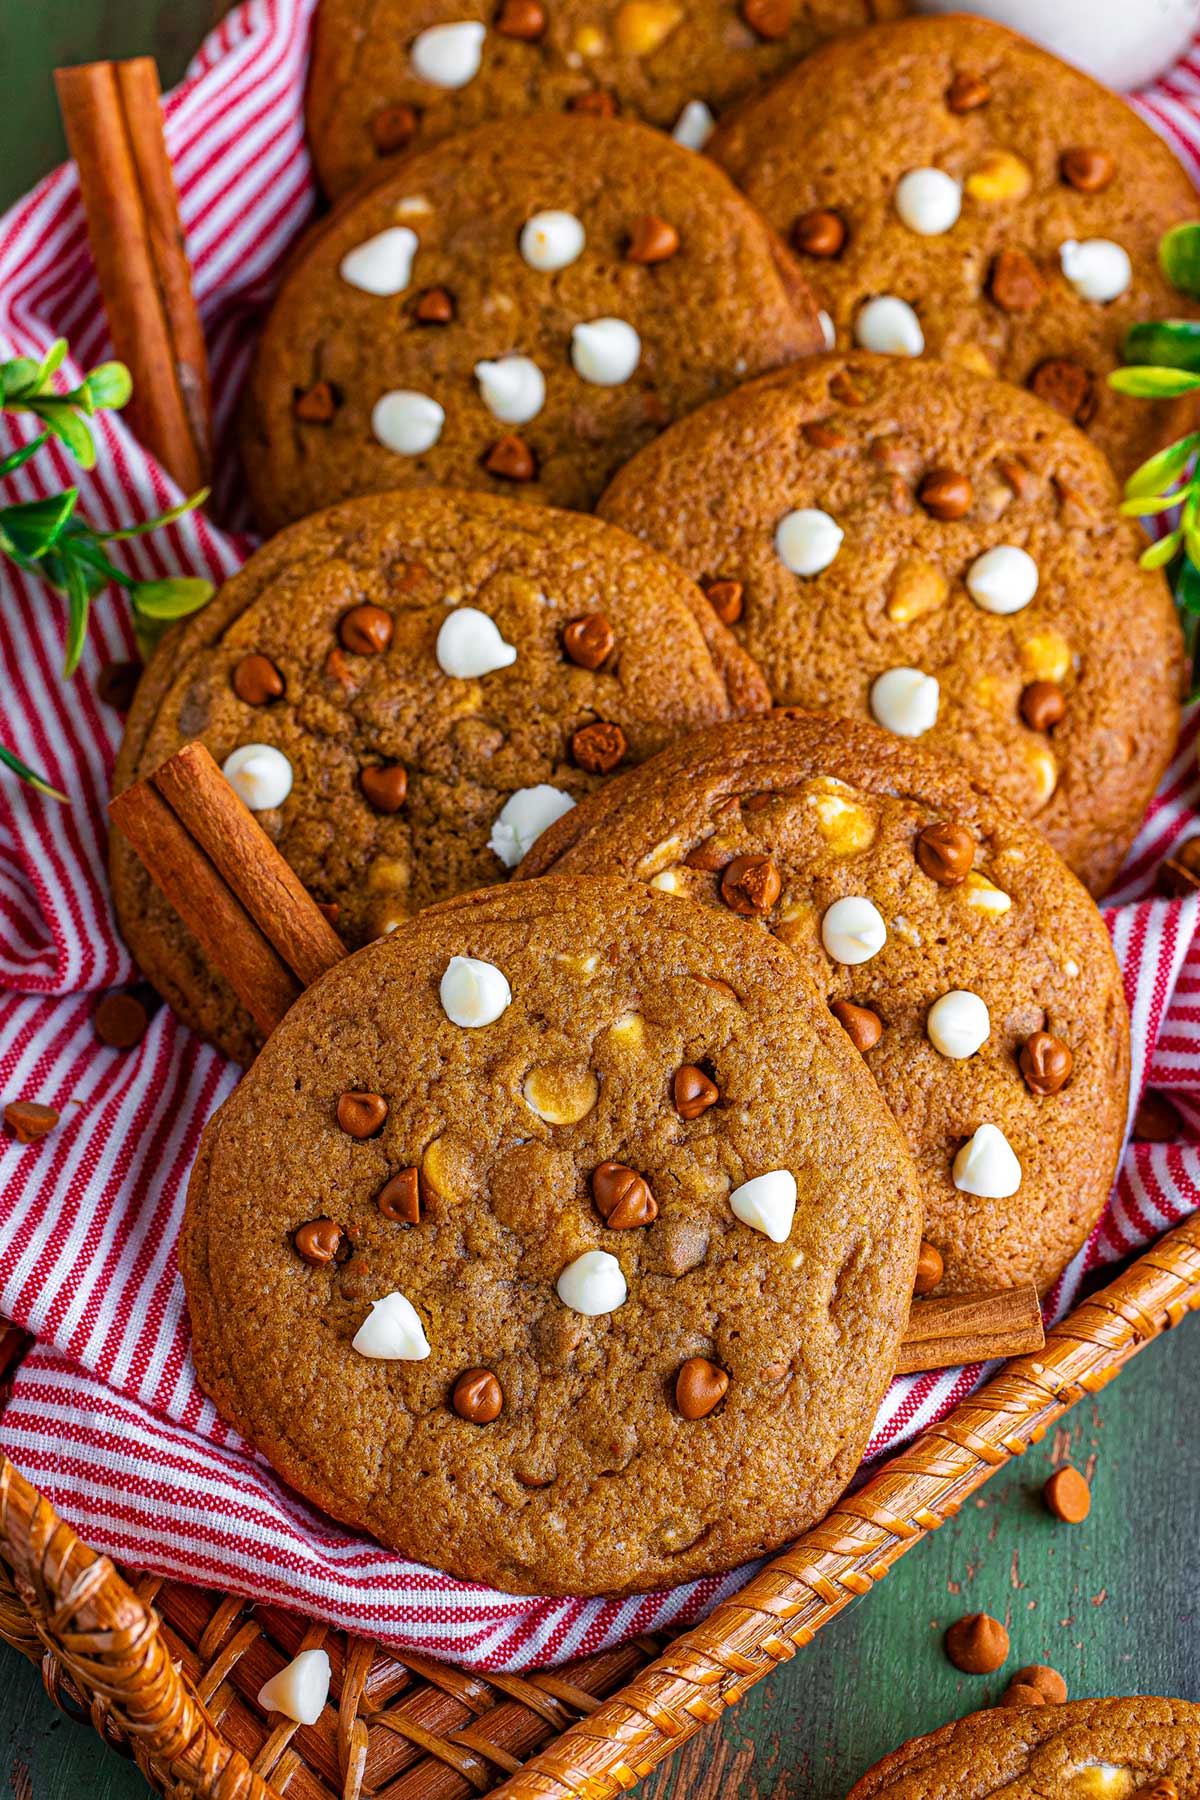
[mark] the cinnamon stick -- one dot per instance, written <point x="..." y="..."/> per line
<point x="946" y="1332"/>
<point x="113" y="118"/>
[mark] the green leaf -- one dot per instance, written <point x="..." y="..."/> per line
<point x="174" y="598"/>
<point x="1187" y="587"/>
<point x="1160" y="554"/>
<point x="1163" y="468"/>
<point x="18" y="379"/>
<point x="167" y="518"/>
<point x="53" y="361"/>
<point x="34" y="526"/>
<point x="78" y="603"/>
<point x="10" y="464"/>
<point x="1146" y="383"/>
<point x="109" y="385"/>
<point x="1179" y="258"/>
<point x="60" y="417"/>
<point x="1167" y="343"/>
<point x="1153" y="503"/>
<point x="12" y="761"/>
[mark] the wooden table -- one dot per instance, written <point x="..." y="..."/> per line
<point x="1114" y="1603"/>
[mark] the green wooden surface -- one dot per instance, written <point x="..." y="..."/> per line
<point x="1114" y="1603"/>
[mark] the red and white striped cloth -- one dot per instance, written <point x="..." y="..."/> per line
<point x="106" y="1416"/>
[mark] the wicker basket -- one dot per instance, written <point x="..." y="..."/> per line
<point x="169" y="1673"/>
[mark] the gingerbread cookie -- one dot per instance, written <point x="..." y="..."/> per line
<point x="915" y="545"/>
<point x="560" y="1240"/>
<point x="519" y="309"/>
<point x="407" y="689"/>
<point x="1128" y="1749"/>
<point x="976" y="199"/>
<point x="963" y="960"/>
<point x="394" y="75"/>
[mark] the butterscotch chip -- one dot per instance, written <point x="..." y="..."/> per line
<point x="623" y="1198"/>
<point x="318" y="1242"/>
<point x="120" y="1021"/>
<point x="1017" y="1694"/>
<point x="1088" y="169"/>
<point x="750" y="885"/>
<point x="478" y="1396"/>
<point x="394" y="128"/>
<point x="29" y="1121"/>
<point x="930" y="1269"/>
<point x="726" y="600"/>
<point x="257" y="681"/>
<point x="845" y="125"/>
<point x="977" y="1644"/>
<point x="511" y="458"/>
<point x="594" y="105"/>
<point x="385" y="786"/>
<point x="315" y="405"/>
<point x="589" y="1399"/>
<point x="863" y="1027"/>
<point x="598" y="748"/>
<point x="399" y="1199"/>
<point x="652" y="240"/>
<point x="1066" y="386"/>
<point x="700" y="1386"/>
<point x="589" y="641"/>
<point x="524" y="19"/>
<point x="838" y="809"/>
<point x="1068" y="1496"/>
<point x="946" y="493"/>
<point x="1157" y="1120"/>
<point x="361" y="1114"/>
<point x="1046" y="1063"/>
<point x="819" y="233"/>
<point x="693" y="1091"/>
<point x="366" y="630"/>
<point x="1043" y="704"/>
<point x="116" y="684"/>
<point x="1048" y="1682"/>
<point x="1161" y="1789"/>
<point x="435" y="306"/>
<point x="771" y="19"/>
<point x="825" y="437"/>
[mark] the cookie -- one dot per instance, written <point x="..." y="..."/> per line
<point x="962" y="959"/>
<point x="428" y="678"/>
<point x="916" y="545"/>
<point x="630" y="1341"/>
<point x="394" y="75"/>
<point x="975" y="197"/>
<point x="521" y="308"/>
<point x="1085" y="1750"/>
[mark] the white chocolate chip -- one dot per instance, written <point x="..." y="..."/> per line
<point x="889" y="326"/>
<point x="447" y="56"/>
<point x="605" y="351"/>
<point x="407" y="422"/>
<point x="767" y="1204"/>
<point x="259" y="775"/>
<point x="1097" y="268"/>
<point x="523" y="818"/>
<point x="513" y="388"/>
<point x="469" y="644"/>
<point x="827" y="329"/>
<point x="473" y="993"/>
<point x="551" y="240"/>
<point x="1003" y="579"/>
<point x="853" y="930"/>
<point x="986" y="1166"/>
<point x="928" y="201"/>
<point x="905" y="701"/>
<point x="807" y="540"/>
<point x="392" y="1332"/>
<point x="694" y="126"/>
<point x="383" y="264"/>
<point x="300" y="1689"/>
<point x="958" y="1024"/>
<point x="593" y="1284"/>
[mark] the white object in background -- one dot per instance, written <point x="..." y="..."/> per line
<point x="523" y="818"/>
<point x="694" y="126"/>
<point x="889" y="326"/>
<point x="551" y="240"/>
<point x="447" y="56"/>
<point x="392" y="1332"/>
<point x="473" y="992"/>
<point x="1125" y="43"/>
<point x="513" y="388"/>
<point x="300" y="1689"/>
<point x="383" y="264"/>
<point x="593" y="1284"/>
<point x="260" y="776"/>
<point x="767" y="1203"/>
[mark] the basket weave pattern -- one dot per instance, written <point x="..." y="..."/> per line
<point x="170" y="1673"/>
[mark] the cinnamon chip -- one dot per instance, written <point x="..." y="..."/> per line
<point x="29" y="1121"/>
<point x="652" y="240"/>
<point x="120" y="1021"/>
<point x="525" y="19"/>
<point x="598" y="748"/>
<point x="1014" y="282"/>
<point x="727" y="599"/>
<point x="315" y="405"/>
<point x="511" y="458"/>
<point x="394" y="128"/>
<point x="435" y="306"/>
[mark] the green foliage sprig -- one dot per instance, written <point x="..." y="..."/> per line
<point x="51" y="540"/>
<point x="1163" y="362"/>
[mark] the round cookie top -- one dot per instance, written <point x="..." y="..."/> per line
<point x="395" y="74"/>
<point x="913" y="544"/>
<point x="429" y="678"/>
<point x="962" y="958"/>
<point x="1084" y="1750"/>
<point x="508" y="310"/>
<point x="533" y="1318"/>
<point x="978" y="197"/>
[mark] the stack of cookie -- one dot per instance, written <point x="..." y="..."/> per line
<point x="594" y="1203"/>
